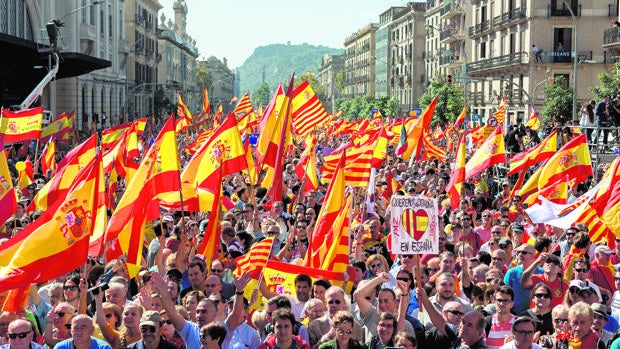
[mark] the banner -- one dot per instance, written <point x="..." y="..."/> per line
<point x="414" y="225"/>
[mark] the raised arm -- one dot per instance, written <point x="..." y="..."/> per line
<point x="160" y="284"/>
<point x="435" y="316"/>
<point x="365" y="289"/>
<point x="526" y="277"/>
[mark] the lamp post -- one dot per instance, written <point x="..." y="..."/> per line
<point x="572" y="14"/>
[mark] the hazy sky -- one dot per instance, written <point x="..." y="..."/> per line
<point x="234" y="28"/>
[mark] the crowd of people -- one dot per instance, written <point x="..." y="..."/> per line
<point x="498" y="281"/>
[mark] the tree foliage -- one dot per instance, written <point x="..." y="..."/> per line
<point x="558" y="101"/>
<point x="450" y="103"/>
<point x="361" y="107"/>
<point x="203" y="76"/>
<point x="610" y="83"/>
<point x="163" y="103"/>
<point x="261" y="95"/>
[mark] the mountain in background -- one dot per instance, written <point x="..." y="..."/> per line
<point x="279" y="61"/>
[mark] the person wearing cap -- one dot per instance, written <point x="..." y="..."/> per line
<point x="150" y="327"/>
<point x="581" y="271"/>
<point x="551" y="276"/>
<point x="601" y="269"/>
<point x="517" y="234"/>
<point x="526" y="256"/>
<point x="600" y="320"/>
<point x="522" y="332"/>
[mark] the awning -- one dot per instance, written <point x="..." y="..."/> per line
<point x="18" y="75"/>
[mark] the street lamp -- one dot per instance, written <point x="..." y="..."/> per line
<point x="572" y="14"/>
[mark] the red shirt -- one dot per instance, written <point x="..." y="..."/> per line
<point x="558" y="288"/>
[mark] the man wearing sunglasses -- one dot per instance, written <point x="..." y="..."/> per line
<point x="526" y="256"/>
<point x="551" y="276"/>
<point x="21" y="335"/>
<point x="150" y="327"/>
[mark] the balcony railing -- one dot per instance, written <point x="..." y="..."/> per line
<point x="611" y="36"/>
<point x="498" y="62"/>
<point x="565" y="57"/>
<point x="509" y="17"/>
<point x="479" y="28"/>
<point x="557" y="8"/>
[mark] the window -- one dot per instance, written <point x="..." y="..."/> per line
<point x="483" y="50"/>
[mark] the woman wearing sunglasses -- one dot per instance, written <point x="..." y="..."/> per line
<point x="541" y="297"/>
<point x="342" y="324"/>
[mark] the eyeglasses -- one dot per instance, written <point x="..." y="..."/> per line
<point x="148" y="328"/>
<point x="524" y="333"/>
<point x="571" y="234"/>
<point x="442" y="239"/>
<point x="542" y="295"/>
<point x="466" y="219"/>
<point x="497" y="232"/>
<point x="583" y="270"/>
<point x="342" y="332"/>
<point x="516" y="200"/>
<point x="497" y="259"/>
<point x="455" y="312"/>
<point x="373" y="266"/>
<point x="385" y="325"/>
<point x="244" y="211"/>
<point x="616" y="278"/>
<point x="523" y="252"/>
<point x="503" y="301"/>
<point x="167" y="322"/>
<point x="337" y="301"/>
<point x="486" y="215"/>
<point x="552" y="261"/>
<point x="403" y="279"/>
<point x="72" y="288"/>
<point x="560" y="321"/>
<point x="409" y="256"/>
<point x="20" y="335"/>
<point x="217" y="270"/>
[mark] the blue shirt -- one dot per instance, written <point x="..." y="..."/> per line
<point x="95" y="344"/>
<point x="522" y="294"/>
<point x="191" y="335"/>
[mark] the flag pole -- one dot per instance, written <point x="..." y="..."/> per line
<point x="36" y="152"/>
<point x="418" y="273"/>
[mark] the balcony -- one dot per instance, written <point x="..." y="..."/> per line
<point x="450" y="36"/>
<point x="451" y="11"/>
<point x="496" y="63"/>
<point x="557" y="8"/>
<point x="513" y="17"/>
<point x="611" y="37"/>
<point x="478" y="29"/>
<point x="88" y="32"/>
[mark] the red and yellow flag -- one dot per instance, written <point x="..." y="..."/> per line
<point x="206" y="106"/>
<point x="308" y="111"/>
<point x="213" y="232"/>
<point x="306" y="167"/>
<point x="21" y="125"/>
<point x="500" y="113"/>
<point x="541" y="152"/>
<point x="48" y="158"/>
<point x="244" y="106"/>
<point x="57" y="128"/>
<point x="490" y="153"/>
<point x="533" y="122"/>
<point x="57" y="242"/>
<point x="461" y="118"/>
<point x="572" y="162"/>
<point x="184" y="116"/>
<point x="255" y="259"/>
<point x="555" y="192"/>
<point x="329" y="247"/>
<point x="431" y="150"/>
<point x="158" y="173"/>
<point x="112" y="134"/>
<point x="359" y="162"/>
<point x="8" y="202"/>
<point x="457" y="176"/>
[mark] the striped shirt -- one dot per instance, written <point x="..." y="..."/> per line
<point x="498" y="332"/>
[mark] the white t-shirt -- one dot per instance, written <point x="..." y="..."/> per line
<point x="511" y="345"/>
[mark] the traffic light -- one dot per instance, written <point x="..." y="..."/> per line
<point x="449" y="78"/>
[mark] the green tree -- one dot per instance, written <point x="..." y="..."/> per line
<point x="203" y="76"/>
<point x="361" y="106"/>
<point x="261" y="95"/>
<point x="450" y="103"/>
<point x="339" y="82"/>
<point x="163" y="104"/>
<point x="610" y="83"/>
<point x="558" y="101"/>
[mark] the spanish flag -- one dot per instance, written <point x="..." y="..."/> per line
<point x="158" y="173"/>
<point x="8" y="202"/>
<point x="21" y="125"/>
<point x="110" y="135"/>
<point x="556" y="192"/>
<point x="48" y="159"/>
<point x="57" y="242"/>
<point x="329" y="246"/>
<point x="572" y="162"/>
<point x="541" y="152"/>
<point x="206" y="106"/>
<point x="457" y="176"/>
<point x="57" y="128"/>
<point x="490" y="153"/>
<point x="461" y="118"/>
<point x="533" y="122"/>
<point x="306" y="167"/>
<point x="213" y="232"/>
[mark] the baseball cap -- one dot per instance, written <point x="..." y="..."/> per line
<point x="150" y="317"/>
<point x="516" y="227"/>
<point x="553" y="259"/>
<point x="167" y="218"/>
<point x="504" y="242"/>
<point x="603" y="249"/>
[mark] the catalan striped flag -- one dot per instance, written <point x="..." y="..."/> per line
<point x="308" y="111"/>
<point x="431" y="150"/>
<point x="255" y="259"/>
<point x="243" y="106"/>
<point x="500" y="113"/>
<point x="357" y="168"/>
<point x="21" y="125"/>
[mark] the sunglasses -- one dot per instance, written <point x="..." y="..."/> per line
<point x="403" y="279"/>
<point x="409" y="256"/>
<point x="523" y="252"/>
<point x="109" y="316"/>
<point x="61" y="314"/>
<point x="217" y="270"/>
<point x="455" y="312"/>
<point x="148" y="328"/>
<point x="167" y="322"/>
<point x="524" y="333"/>
<point x="19" y="335"/>
<point x="503" y="301"/>
<point x="373" y="266"/>
<point x="552" y="262"/>
<point x="542" y="295"/>
<point x="337" y="301"/>
<point x="342" y="332"/>
<point x="560" y="321"/>
<point x="72" y="288"/>
<point x="580" y="270"/>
